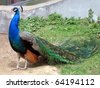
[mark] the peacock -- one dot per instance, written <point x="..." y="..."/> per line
<point x="32" y="48"/>
<point x="22" y="47"/>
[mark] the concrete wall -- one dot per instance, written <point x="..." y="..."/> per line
<point x="68" y="8"/>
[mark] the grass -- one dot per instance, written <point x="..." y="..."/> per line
<point x="90" y="66"/>
<point x="57" y="30"/>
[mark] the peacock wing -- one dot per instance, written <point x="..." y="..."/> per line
<point x="26" y="36"/>
<point x="29" y="38"/>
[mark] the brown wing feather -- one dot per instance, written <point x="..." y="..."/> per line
<point x="31" y="57"/>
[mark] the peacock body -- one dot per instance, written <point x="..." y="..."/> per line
<point x="22" y="47"/>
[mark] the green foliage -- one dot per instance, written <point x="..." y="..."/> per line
<point x="57" y="22"/>
<point x="32" y="24"/>
<point x="90" y="15"/>
<point x="98" y="18"/>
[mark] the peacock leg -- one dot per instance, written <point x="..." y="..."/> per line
<point x="26" y="62"/>
<point x="18" y="62"/>
<point x="20" y="68"/>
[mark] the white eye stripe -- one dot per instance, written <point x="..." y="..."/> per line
<point x="15" y="9"/>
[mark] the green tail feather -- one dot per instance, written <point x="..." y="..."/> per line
<point x="83" y="49"/>
<point x="66" y="53"/>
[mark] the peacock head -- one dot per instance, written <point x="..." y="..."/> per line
<point x="15" y="9"/>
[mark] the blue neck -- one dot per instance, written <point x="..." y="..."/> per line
<point x="14" y="38"/>
<point x="13" y="29"/>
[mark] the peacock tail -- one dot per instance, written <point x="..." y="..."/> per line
<point x="68" y="52"/>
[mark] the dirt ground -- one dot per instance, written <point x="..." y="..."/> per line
<point x="8" y="59"/>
